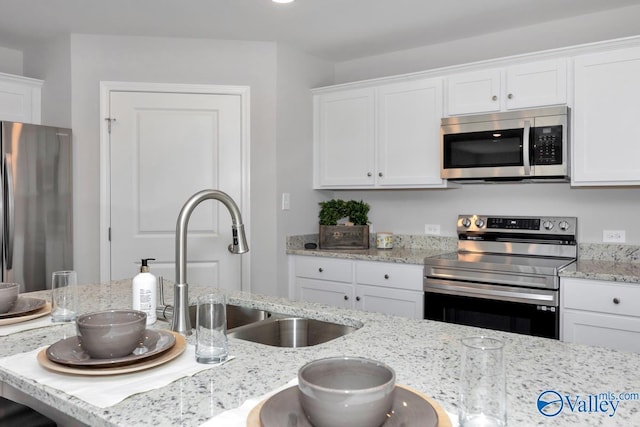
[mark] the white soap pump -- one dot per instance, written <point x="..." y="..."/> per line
<point x="145" y="287"/>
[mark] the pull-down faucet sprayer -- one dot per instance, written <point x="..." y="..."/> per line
<point x="180" y="322"/>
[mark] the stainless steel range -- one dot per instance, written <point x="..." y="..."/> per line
<point x="504" y="275"/>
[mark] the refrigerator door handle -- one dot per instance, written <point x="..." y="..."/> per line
<point x="9" y="212"/>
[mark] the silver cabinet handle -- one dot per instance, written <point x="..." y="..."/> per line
<point x="616" y="301"/>
<point x="494" y="98"/>
<point x="320" y="270"/>
<point x="369" y="174"/>
<point x="380" y="174"/>
<point x="386" y="276"/>
<point x="510" y="96"/>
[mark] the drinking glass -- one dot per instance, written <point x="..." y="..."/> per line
<point x="64" y="296"/>
<point x="483" y="386"/>
<point x="211" y="329"/>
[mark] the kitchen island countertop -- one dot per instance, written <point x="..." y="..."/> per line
<point x="425" y="355"/>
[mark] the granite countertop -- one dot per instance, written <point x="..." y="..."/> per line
<point x="425" y="355"/>
<point x="617" y="271"/>
<point x="620" y="263"/>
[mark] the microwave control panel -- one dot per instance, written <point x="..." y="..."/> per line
<point x="547" y="145"/>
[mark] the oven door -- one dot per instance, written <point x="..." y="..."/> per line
<point x="506" y="308"/>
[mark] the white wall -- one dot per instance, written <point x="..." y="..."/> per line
<point x="596" y="209"/>
<point x="51" y="62"/>
<point x="297" y="74"/>
<point x="142" y="59"/>
<point x="594" y="27"/>
<point x="11" y="61"/>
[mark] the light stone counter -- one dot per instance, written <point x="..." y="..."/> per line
<point x="425" y="355"/>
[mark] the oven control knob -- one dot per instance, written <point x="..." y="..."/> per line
<point x="564" y="225"/>
<point x="466" y="222"/>
<point x="548" y="225"/>
<point x="479" y="222"/>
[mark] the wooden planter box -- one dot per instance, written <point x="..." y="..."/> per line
<point x="344" y="237"/>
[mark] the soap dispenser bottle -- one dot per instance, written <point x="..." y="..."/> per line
<point x="144" y="291"/>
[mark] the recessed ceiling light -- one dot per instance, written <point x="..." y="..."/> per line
<point x="282" y="1"/>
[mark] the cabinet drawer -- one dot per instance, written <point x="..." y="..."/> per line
<point x="399" y="276"/>
<point x="601" y="296"/>
<point x="321" y="268"/>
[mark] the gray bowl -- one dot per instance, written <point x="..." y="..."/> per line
<point x="8" y="296"/>
<point x="346" y="392"/>
<point x="112" y="333"/>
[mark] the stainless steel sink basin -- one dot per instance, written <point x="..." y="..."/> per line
<point x="291" y="332"/>
<point x="236" y="316"/>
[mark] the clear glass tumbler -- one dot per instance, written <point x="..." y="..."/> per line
<point x="483" y="385"/>
<point x="64" y="296"/>
<point x="211" y="329"/>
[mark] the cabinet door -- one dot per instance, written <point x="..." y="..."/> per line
<point x="344" y="150"/>
<point x="604" y="330"/>
<point x="331" y="293"/>
<point x="396" y="302"/>
<point x="20" y="99"/>
<point x="474" y="92"/>
<point x="606" y="148"/>
<point x="409" y="134"/>
<point x="536" y="84"/>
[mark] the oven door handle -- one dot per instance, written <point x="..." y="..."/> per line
<point x="500" y="293"/>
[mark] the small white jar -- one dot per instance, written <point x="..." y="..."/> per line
<point x="384" y="240"/>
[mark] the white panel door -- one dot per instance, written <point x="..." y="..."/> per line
<point x="164" y="148"/>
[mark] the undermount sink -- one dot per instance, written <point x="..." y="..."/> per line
<point x="291" y="332"/>
<point x="237" y="316"/>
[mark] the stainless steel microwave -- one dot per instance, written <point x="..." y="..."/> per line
<point x="530" y="145"/>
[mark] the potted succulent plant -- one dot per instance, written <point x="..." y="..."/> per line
<point x="344" y="224"/>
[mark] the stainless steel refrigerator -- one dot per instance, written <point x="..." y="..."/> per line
<point x="36" y="218"/>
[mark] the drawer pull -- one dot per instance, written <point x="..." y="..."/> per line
<point x="320" y="270"/>
<point x="346" y="298"/>
<point x="357" y="298"/>
<point x="616" y="301"/>
<point x="386" y="276"/>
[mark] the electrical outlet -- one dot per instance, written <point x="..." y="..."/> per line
<point x="614" y="236"/>
<point x="433" y="229"/>
<point x="286" y="201"/>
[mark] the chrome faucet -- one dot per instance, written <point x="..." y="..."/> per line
<point x="180" y="322"/>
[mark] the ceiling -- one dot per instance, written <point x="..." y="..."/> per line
<point x="335" y="30"/>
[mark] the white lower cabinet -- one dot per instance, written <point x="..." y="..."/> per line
<point x="600" y="313"/>
<point x="381" y="287"/>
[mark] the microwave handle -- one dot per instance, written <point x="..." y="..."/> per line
<point x="526" y="154"/>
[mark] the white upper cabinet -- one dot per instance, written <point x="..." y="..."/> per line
<point x="474" y="92"/>
<point x="606" y="145"/>
<point x="385" y="136"/>
<point x="408" y="134"/>
<point x="528" y="85"/>
<point x="344" y="154"/>
<point x="20" y="99"/>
